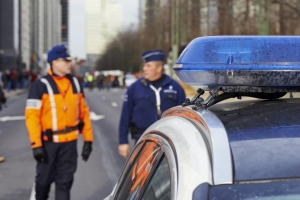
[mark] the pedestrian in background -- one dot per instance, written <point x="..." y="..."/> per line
<point x="146" y="99"/>
<point x="8" y="80"/>
<point x="20" y="79"/>
<point x="90" y="80"/>
<point x="107" y="82"/>
<point x="124" y="81"/>
<point x="2" y="101"/>
<point x="26" y="79"/>
<point x="56" y="113"/>
<point x="1" y="82"/>
<point x="100" y="79"/>
<point x="14" y="79"/>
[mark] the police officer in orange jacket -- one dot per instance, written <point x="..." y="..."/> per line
<point x="56" y="113"/>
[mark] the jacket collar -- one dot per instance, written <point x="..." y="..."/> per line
<point x="166" y="81"/>
<point x="50" y="73"/>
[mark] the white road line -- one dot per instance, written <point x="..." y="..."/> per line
<point x="32" y="195"/>
<point x="95" y="117"/>
<point x="11" y="118"/>
<point x="114" y="104"/>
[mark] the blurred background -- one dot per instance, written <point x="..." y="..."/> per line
<point x="107" y="37"/>
<point x="99" y="31"/>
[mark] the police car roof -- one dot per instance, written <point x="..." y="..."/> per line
<point x="240" y="61"/>
<point x="240" y="52"/>
<point x="264" y="138"/>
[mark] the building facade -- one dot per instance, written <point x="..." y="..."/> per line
<point x="28" y="29"/>
<point x="103" y="23"/>
<point x="8" y="45"/>
<point x="65" y="22"/>
<point x="40" y="30"/>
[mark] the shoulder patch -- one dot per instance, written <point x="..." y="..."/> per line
<point x="33" y="104"/>
<point x="144" y="82"/>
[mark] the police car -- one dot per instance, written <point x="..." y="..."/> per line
<point x="205" y="149"/>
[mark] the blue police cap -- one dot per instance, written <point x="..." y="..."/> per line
<point x="153" y="55"/>
<point x="59" y="51"/>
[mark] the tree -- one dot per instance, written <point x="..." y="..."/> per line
<point x="173" y="23"/>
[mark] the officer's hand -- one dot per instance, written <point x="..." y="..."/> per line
<point x="38" y="154"/>
<point x="124" y="150"/>
<point x="86" y="150"/>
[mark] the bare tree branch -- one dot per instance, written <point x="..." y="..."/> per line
<point x="294" y="8"/>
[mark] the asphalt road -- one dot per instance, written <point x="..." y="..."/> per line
<point x="93" y="180"/>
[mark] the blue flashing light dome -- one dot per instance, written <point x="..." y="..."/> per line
<point x="272" y="61"/>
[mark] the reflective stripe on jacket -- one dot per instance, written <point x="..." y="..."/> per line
<point x="56" y="103"/>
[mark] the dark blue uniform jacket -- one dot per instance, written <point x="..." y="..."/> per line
<point x="140" y="105"/>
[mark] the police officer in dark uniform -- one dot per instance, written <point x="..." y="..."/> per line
<point x="146" y="99"/>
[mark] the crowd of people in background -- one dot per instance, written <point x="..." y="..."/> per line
<point x="17" y="79"/>
<point x="13" y="79"/>
<point x="101" y="81"/>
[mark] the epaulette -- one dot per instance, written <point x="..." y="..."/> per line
<point x="144" y="82"/>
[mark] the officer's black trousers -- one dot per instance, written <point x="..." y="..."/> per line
<point x="59" y="167"/>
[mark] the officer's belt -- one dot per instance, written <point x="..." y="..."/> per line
<point x="135" y="130"/>
<point x="65" y="130"/>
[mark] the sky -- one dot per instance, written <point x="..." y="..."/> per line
<point x="77" y="23"/>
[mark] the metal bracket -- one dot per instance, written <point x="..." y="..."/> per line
<point x="213" y="93"/>
<point x="199" y="102"/>
<point x="188" y="102"/>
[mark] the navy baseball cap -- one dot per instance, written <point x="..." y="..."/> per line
<point x="153" y="55"/>
<point x="59" y="51"/>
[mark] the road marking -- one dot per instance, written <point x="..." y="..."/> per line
<point x="103" y="98"/>
<point x="11" y="118"/>
<point x="95" y="117"/>
<point x="32" y="195"/>
<point x="114" y="104"/>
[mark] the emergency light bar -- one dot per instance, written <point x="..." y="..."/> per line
<point x="272" y="61"/>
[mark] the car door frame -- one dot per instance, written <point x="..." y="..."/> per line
<point x="166" y="150"/>
<point x="170" y="155"/>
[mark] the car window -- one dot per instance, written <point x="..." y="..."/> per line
<point x="138" y="171"/>
<point x="159" y="187"/>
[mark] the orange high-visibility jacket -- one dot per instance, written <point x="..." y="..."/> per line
<point x="56" y="103"/>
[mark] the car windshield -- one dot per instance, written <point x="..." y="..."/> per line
<point x="273" y="190"/>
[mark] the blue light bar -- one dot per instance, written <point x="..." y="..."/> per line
<point x="241" y="61"/>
